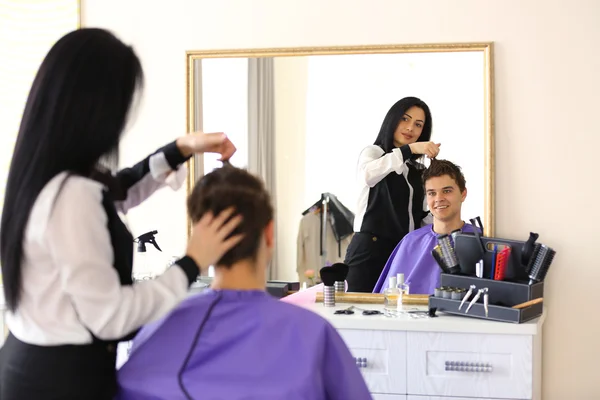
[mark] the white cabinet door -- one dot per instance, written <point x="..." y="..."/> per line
<point x="384" y="355"/>
<point x="378" y="396"/>
<point x="470" y="365"/>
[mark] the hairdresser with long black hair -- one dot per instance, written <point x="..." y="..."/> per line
<point x="66" y="255"/>
<point x="391" y="202"/>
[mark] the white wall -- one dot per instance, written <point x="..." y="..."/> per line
<point x="547" y="94"/>
<point x="291" y="75"/>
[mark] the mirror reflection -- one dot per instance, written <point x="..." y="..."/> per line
<point x="309" y="124"/>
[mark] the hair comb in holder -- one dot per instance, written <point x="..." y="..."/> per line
<point x="543" y="259"/>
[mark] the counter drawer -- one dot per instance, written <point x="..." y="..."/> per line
<point x="384" y="353"/>
<point x="470" y="365"/>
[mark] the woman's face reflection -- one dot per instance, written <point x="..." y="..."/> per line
<point x="410" y="127"/>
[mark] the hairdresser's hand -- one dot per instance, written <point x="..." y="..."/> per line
<point x="430" y="149"/>
<point x="200" y="142"/>
<point x="210" y="238"/>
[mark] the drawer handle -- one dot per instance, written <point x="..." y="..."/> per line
<point x="464" y="366"/>
<point x="361" y="362"/>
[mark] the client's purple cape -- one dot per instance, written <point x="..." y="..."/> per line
<point x="240" y="345"/>
<point x="412" y="257"/>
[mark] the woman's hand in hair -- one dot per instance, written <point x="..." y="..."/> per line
<point x="211" y="239"/>
<point x="430" y="149"/>
<point x="200" y="142"/>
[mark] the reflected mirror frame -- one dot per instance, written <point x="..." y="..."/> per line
<point x="195" y="164"/>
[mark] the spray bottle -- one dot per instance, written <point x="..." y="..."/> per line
<point x="145" y="270"/>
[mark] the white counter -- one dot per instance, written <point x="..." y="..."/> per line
<point x="441" y="323"/>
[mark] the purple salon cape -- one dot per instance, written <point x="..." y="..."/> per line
<point x="412" y="257"/>
<point x="240" y="345"/>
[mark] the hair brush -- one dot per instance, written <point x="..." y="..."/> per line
<point x="543" y="260"/>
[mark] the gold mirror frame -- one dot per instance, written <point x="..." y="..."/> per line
<point x="489" y="217"/>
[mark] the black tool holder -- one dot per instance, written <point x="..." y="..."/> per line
<point x="502" y="295"/>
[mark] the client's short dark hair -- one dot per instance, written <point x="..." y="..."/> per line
<point x="439" y="168"/>
<point x="234" y="187"/>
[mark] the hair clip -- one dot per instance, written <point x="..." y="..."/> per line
<point x="469" y="293"/>
<point x="477" y="296"/>
<point x="485" y="301"/>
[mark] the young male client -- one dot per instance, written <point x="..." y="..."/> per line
<point x="235" y="341"/>
<point x="445" y="191"/>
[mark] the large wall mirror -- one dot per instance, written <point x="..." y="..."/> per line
<point x="301" y="116"/>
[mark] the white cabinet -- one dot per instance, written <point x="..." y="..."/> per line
<point x="445" y="358"/>
<point x="384" y="358"/>
<point x="470" y="365"/>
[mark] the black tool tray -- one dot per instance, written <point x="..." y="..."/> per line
<point x="502" y="296"/>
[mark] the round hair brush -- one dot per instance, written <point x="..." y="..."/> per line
<point x="543" y="258"/>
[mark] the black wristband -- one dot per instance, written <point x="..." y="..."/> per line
<point x="189" y="267"/>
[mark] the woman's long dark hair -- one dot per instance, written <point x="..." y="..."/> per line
<point x="385" y="139"/>
<point x="75" y="113"/>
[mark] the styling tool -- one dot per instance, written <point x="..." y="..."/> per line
<point x="448" y="254"/>
<point x="477" y="296"/>
<point x="486" y="301"/>
<point x="479" y="269"/>
<point x="437" y="256"/>
<point x="543" y="260"/>
<point x="453" y="235"/>
<point x="534" y="252"/>
<point x="501" y="261"/>
<point x="466" y="298"/>
<point x="328" y="276"/>
<point x="529" y="303"/>
<point x="528" y="248"/>
<point x="341" y="272"/>
<point x="480" y="225"/>
<point x="478" y="235"/>
<point x="494" y="255"/>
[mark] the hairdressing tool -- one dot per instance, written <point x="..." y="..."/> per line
<point x="528" y="248"/>
<point x="478" y="235"/>
<point x="494" y="254"/>
<point x="543" y="259"/>
<point x="477" y="296"/>
<point x="447" y="293"/>
<point x="437" y="292"/>
<point x="437" y="256"/>
<point x="534" y="252"/>
<point x="347" y="311"/>
<point x="479" y="269"/>
<point x="501" y="262"/>
<point x="453" y="235"/>
<point x="469" y="293"/>
<point x="458" y="294"/>
<point x="448" y="254"/>
<point x="529" y="303"/>
<point x="341" y="270"/>
<point x="486" y="301"/>
<point x="328" y="276"/>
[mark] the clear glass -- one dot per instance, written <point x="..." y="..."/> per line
<point x="391" y="298"/>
